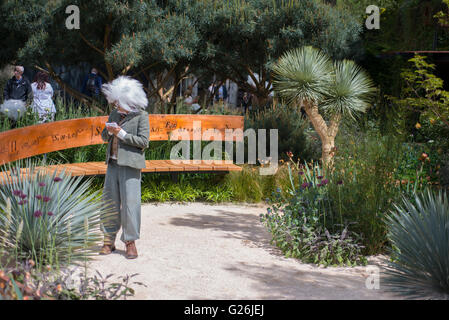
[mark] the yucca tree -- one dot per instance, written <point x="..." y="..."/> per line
<point x="307" y="78"/>
<point x="419" y="236"/>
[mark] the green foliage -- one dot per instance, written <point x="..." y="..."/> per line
<point x="27" y="283"/>
<point x="50" y="219"/>
<point x="293" y="135"/>
<point x="299" y="223"/>
<point x="419" y="237"/>
<point x="423" y="98"/>
<point x="307" y="75"/>
<point x="375" y="171"/>
<point x="307" y="78"/>
<point x="189" y="188"/>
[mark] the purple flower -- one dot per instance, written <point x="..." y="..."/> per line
<point x="21" y="202"/>
<point x="46" y="199"/>
<point x="17" y="193"/>
<point x="301" y="173"/>
<point x="57" y="179"/>
<point x="320" y="177"/>
<point x="37" y="213"/>
<point x="42" y="184"/>
<point x="50" y="213"/>
<point x="304" y="185"/>
<point x="39" y="197"/>
<point x="23" y="195"/>
<point x="320" y="185"/>
<point x="340" y="182"/>
<point x="325" y="181"/>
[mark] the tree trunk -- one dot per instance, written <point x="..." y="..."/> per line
<point x="327" y="151"/>
<point x="327" y="133"/>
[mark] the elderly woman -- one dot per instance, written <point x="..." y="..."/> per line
<point x="127" y="133"/>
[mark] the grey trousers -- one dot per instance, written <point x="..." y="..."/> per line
<point x="122" y="191"/>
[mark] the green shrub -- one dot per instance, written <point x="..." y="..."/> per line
<point x="370" y="169"/>
<point x="50" y="219"/>
<point x="293" y="133"/>
<point x="298" y="223"/>
<point x="27" y="283"/>
<point x="419" y="236"/>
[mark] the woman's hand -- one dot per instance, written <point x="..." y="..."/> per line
<point x="114" y="130"/>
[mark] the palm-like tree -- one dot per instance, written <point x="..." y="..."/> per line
<point x="307" y="78"/>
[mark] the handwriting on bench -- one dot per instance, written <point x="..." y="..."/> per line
<point x="44" y="138"/>
<point x="67" y="136"/>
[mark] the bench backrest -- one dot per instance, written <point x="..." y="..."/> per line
<point x="53" y="136"/>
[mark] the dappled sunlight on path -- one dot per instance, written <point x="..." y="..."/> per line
<point x="202" y="251"/>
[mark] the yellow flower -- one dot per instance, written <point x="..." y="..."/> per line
<point x="417" y="125"/>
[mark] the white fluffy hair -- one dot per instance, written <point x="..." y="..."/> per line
<point x="20" y="68"/>
<point x="127" y="92"/>
<point x="13" y="109"/>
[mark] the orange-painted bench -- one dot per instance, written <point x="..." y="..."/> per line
<point x="34" y="140"/>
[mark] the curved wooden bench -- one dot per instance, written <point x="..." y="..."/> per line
<point x="29" y="141"/>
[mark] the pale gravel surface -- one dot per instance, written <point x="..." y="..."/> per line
<point x="204" y="251"/>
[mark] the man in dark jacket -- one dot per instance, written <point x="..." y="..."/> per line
<point x="18" y="87"/>
<point x="92" y="84"/>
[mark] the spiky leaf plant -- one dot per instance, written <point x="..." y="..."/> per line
<point x="419" y="235"/>
<point x="43" y="216"/>
<point x="327" y="90"/>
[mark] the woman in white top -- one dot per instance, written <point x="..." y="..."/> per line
<point x="193" y="103"/>
<point x="42" y="98"/>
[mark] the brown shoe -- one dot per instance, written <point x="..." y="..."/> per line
<point x="107" y="249"/>
<point x="131" y="250"/>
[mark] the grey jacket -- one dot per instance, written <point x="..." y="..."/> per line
<point x="130" y="150"/>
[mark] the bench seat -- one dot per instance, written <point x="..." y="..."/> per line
<point x="155" y="166"/>
<point x="43" y="138"/>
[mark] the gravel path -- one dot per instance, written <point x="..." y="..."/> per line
<point x="203" y="251"/>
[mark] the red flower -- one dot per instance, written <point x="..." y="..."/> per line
<point x="57" y="179"/>
<point x="46" y="199"/>
<point x="42" y="184"/>
<point x="37" y="213"/>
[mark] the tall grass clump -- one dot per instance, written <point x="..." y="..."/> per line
<point x="367" y="165"/>
<point x="419" y="236"/>
<point x="304" y="224"/>
<point x="50" y="218"/>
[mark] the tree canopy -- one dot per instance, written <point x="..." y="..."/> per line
<point x="162" y="41"/>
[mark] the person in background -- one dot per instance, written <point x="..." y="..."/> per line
<point x="192" y="102"/>
<point x="92" y="84"/>
<point x="246" y="101"/>
<point x="18" y="87"/>
<point x="42" y="98"/>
